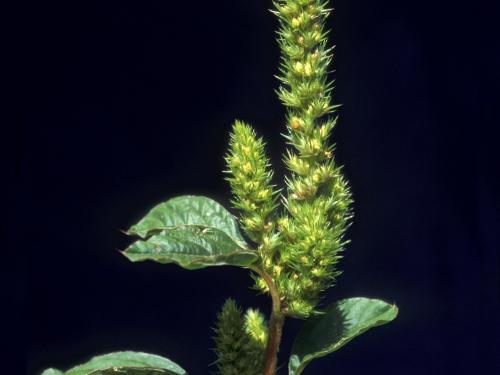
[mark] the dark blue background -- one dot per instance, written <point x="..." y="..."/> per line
<point x="128" y="103"/>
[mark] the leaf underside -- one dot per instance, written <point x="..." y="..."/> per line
<point x="191" y="231"/>
<point x="341" y="322"/>
<point x="125" y="363"/>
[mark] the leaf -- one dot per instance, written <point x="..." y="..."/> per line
<point x="189" y="211"/>
<point x="124" y="363"/>
<point x="341" y="322"/>
<point x="193" y="232"/>
<point x="191" y="249"/>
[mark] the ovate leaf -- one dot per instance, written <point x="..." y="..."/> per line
<point x="124" y="363"/>
<point x="193" y="232"/>
<point x="341" y="322"/>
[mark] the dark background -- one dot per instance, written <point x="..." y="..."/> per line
<point x="125" y="104"/>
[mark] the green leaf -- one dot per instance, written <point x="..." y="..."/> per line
<point x="192" y="249"/>
<point x="125" y="363"/>
<point x="193" y="232"/>
<point x="341" y="322"/>
<point x="189" y="211"/>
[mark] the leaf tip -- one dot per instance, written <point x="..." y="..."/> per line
<point x="124" y="231"/>
<point x="125" y="254"/>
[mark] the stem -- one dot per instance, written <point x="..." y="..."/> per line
<point x="276" y="323"/>
<point x="275" y="330"/>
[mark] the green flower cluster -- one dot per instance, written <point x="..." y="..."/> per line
<point x="254" y="195"/>
<point x="240" y="340"/>
<point x="318" y="198"/>
<point x="300" y="249"/>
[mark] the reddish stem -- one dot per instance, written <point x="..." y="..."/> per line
<point x="276" y="323"/>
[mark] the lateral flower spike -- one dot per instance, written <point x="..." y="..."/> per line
<point x="256" y="327"/>
<point x="250" y="177"/>
<point x="238" y="340"/>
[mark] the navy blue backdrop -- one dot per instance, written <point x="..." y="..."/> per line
<point x="129" y="103"/>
